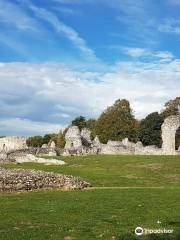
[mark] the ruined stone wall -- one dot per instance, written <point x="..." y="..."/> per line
<point x="73" y="138"/>
<point x="169" y="128"/>
<point x="75" y="144"/>
<point x="86" y="137"/>
<point x="12" y="143"/>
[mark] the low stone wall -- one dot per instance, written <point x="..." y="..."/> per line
<point x="12" y="143"/>
<point x="115" y="150"/>
<point x="25" y="180"/>
<point x="20" y="153"/>
<point x="27" y="155"/>
<point x="80" y="151"/>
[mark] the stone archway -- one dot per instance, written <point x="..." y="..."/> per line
<point x="169" y="128"/>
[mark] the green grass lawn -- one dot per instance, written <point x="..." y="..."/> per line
<point x="98" y="213"/>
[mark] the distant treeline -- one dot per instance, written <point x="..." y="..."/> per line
<point x="118" y="122"/>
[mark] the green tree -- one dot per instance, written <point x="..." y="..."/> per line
<point x="47" y="138"/>
<point x="150" y="129"/>
<point x="35" y="141"/>
<point x="117" y="122"/>
<point x="80" y="122"/>
<point x="172" y="107"/>
<point x="91" y="125"/>
<point x="60" y="141"/>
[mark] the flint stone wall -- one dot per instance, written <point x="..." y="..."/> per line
<point x="12" y="143"/>
<point x="169" y="128"/>
<point x="73" y="138"/>
<point x="107" y="149"/>
<point x="96" y="142"/>
<point x="86" y="137"/>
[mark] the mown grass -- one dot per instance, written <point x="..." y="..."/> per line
<point x="98" y="214"/>
<point x="118" y="170"/>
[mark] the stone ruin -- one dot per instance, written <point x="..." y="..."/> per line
<point x="73" y="138"/>
<point x="14" y="149"/>
<point x="12" y="143"/>
<point x="169" y="128"/>
<point x="80" y="143"/>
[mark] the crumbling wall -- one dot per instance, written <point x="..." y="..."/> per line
<point x="86" y="137"/>
<point x="169" y="128"/>
<point x="79" y="143"/>
<point x="73" y="138"/>
<point x="12" y="143"/>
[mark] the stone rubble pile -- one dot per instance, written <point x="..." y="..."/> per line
<point x="25" y="180"/>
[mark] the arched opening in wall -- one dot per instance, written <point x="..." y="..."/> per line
<point x="72" y="145"/>
<point x="177" y="138"/>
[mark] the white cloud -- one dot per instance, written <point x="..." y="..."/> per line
<point x="148" y="54"/>
<point x="52" y="94"/>
<point x="23" y="21"/>
<point x="163" y="54"/>
<point x="15" y="45"/>
<point x="130" y="7"/>
<point x="14" y="16"/>
<point x="136" y="52"/>
<point x="68" y="31"/>
<point x="170" y="26"/>
<point x="144" y="52"/>
<point x="18" y="126"/>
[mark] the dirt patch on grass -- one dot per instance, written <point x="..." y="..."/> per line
<point x="76" y="166"/>
<point x="131" y="176"/>
<point x="175" y="177"/>
<point x="152" y="166"/>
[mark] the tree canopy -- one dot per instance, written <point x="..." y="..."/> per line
<point x="150" y="129"/>
<point x="80" y="122"/>
<point x="172" y="107"/>
<point x="117" y="122"/>
<point x="35" y="141"/>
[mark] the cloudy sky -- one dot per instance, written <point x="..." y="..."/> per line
<point x="64" y="58"/>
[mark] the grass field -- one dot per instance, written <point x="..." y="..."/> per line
<point x="127" y="191"/>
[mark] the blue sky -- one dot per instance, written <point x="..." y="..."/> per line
<point x="64" y="58"/>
